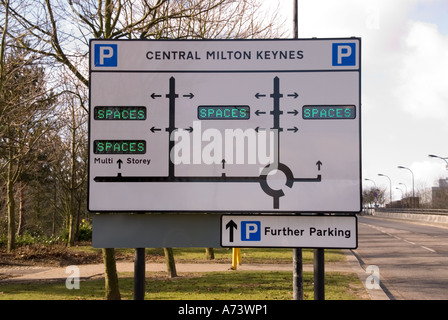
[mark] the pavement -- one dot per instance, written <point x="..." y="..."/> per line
<point x="24" y="274"/>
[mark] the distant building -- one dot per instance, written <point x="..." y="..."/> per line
<point x="409" y="202"/>
<point x="440" y="195"/>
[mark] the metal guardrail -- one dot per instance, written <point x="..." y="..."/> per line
<point x="413" y="211"/>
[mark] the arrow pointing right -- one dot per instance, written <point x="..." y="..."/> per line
<point x="231" y="225"/>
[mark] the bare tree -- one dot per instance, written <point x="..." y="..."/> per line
<point x="26" y="115"/>
<point x="60" y="29"/>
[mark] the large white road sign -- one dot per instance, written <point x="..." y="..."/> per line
<point x="225" y="126"/>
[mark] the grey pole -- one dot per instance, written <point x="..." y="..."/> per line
<point x="413" y="190"/>
<point x="319" y="274"/>
<point x="139" y="274"/>
<point x="297" y="260"/>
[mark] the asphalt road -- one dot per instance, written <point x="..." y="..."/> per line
<point x="412" y="259"/>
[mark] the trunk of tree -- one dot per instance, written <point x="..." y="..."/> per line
<point x="11" y="209"/>
<point x="11" y="205"/>
<point x="22" y="213"/>
<point x="170" y="263"/>
<point x="209" y="253"/>
<point x="72" y="208"/>
<point x="111" y="277"/>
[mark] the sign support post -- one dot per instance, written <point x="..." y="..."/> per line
<point x="297" y="260"/>
<point x="319" y="274"/>
<point x="139" y="274"/>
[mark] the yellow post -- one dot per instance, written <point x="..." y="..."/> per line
<point x="236" y="258"/>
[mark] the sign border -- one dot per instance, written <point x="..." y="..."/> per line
<point x="280" y="212"/>
<point x="285" y="215"/>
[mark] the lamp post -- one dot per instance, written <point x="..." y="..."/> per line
<point x="401" y="195"/>
<point x="371" y="181"/>
<point x="405" y="188"/>
<point x="444" y="159"/>
<point x="413" y="191"/>
<point x="390" y="189"/>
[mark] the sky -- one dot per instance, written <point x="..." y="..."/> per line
<point x="404" y="82"/>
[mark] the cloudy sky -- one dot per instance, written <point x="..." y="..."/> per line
<point x="404" y="81"/>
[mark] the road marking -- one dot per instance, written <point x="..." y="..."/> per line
<point x="429" y="249"/>
<point x="389" y="234"/>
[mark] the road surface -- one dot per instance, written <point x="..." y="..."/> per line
<point x="412" y="259"/>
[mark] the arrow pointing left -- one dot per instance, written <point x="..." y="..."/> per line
<point x="231" y="225"/>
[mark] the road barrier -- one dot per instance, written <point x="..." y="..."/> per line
<point x="439" y="216"/>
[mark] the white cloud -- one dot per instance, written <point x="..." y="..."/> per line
<point x="421" y="83"/>
<point x="428" y="172"/>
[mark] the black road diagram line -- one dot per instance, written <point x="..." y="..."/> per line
<point x="172" y="105"/>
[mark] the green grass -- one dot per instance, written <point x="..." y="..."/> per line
<point x="224" y="255"/>
<point x="231" y="285"/>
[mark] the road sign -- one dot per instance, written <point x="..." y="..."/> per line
<point x="289" y="231"/>
<point x="225" y="126"/>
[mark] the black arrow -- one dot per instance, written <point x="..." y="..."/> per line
<point x="232" y="225"/>
<point x="119" y="161"/>
<point x="295" y="95"/>
<point x="188" y="95"/>
<point x="293" y="129"/>
<point x="258" y="95"/>
<point x="223" y="163"/>
<point x="295" y="112"/>
<point x="155" y="96"/>
<point x="190" y="129"/>
<point x="258" y="112"/>
<point x="318" y="164"/>
<point x="153" y="129"/>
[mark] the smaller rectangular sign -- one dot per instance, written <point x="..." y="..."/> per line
<point x="289" y="231"/>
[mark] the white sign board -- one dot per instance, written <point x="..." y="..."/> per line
<point x="225" y="126"/>
<point x="289" y="231"/>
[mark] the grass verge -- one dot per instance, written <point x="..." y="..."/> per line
<point x="232" y="285"/>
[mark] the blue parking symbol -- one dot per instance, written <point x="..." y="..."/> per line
<point x="344" y="54"/>
<point x="250" y="231"/>
<point x="106" y="55"/>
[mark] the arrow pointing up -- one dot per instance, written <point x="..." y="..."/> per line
<point x="231" y="225"/>
<point x="120" y="162"/>
<point x="318" y="164"/>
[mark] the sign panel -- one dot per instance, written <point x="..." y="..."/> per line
<point x="225" y="126"/>
<point x="289" y="231"/>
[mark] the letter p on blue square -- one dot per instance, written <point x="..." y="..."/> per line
<point x="106" y="55"/>
<point x="344" y="54"/>
<point x="250" y="230"/>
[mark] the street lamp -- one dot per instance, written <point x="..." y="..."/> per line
<point x="401" y="191"/>
<point x="405" y="187"/>
<point x="413" y="191"/>
<point x="371" y="181"/>
<point x="390" y="189"/>
<point x="444" y="159"/>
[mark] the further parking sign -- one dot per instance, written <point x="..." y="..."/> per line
<point x="289" y="231"/>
